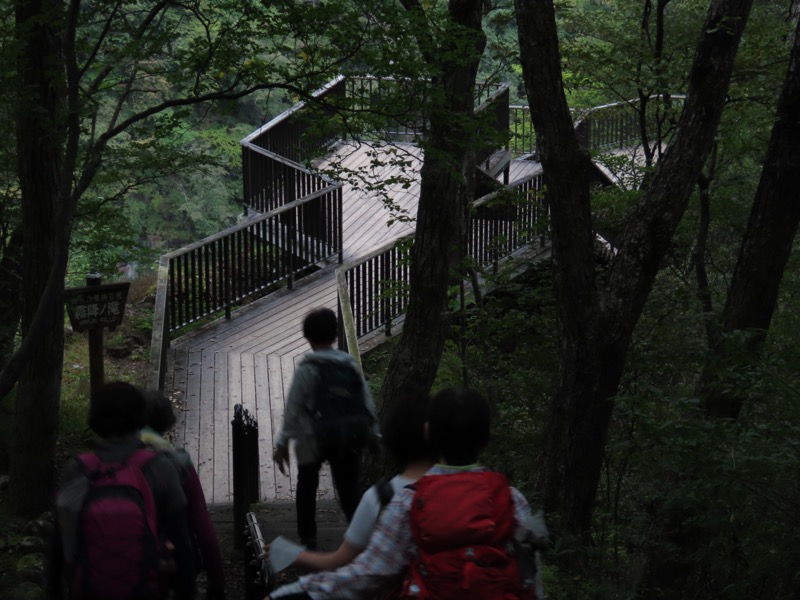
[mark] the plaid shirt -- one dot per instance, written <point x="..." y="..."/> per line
<point x="383" y="562"/>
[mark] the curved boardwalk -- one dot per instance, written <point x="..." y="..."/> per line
<point x="250" y="358"/>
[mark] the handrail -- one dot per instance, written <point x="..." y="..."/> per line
<point x="617" y="124"/>
<point x="367" y="94"/>
<point x="522" y="137"/>
<point x="347" y="333"/>
<point x="504" y="221"/>
<point x="373" y="290"/>
<point x="283" y="134"/>
<point x="159" y="342"/>
<point x="596" y="130"/>
<point x="260" y="254"/>
<point x="299" y="221"/>
<point x="250" y="222"/>
<point x="378" y="282"/>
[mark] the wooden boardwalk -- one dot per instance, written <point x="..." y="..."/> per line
<point x="250" y="358"/>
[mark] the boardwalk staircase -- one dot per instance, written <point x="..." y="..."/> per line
<point x="301" y="223"/>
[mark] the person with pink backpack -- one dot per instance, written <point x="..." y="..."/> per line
<point x="160" y="419"/>
<point x="121" y="521"/>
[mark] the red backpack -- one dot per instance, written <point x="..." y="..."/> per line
<point x="118" y="546"/>
<point x="463" y="526"/>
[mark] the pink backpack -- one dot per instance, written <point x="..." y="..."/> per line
<point x="118" y="546"/>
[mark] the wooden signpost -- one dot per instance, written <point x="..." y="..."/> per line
<point x="92" y="308"/>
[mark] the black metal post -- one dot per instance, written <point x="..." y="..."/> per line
<point x="244" y="442"/>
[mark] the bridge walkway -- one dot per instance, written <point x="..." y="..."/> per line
<point x="250" y="358"/>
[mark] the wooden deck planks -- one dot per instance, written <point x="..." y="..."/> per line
<point x="365" y="218"/>
<point x="223" y="415"/>
<point x="250" y="359"/>
<point x="191" y="409"/>
<point x="205" y="416"/>
<point x="264" y="415"/>
<point x="275" y="481"/>
<point x="175" y="387"/>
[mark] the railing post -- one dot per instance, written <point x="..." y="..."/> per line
<point x="292" y="243"/>
<point x="583" y="131"/>
<point x="339" y="202"/>
<point x="386" y="278"/>
<point x="226" y="276"/>
<point x="159" y="343"/>
<point x="347" y="328"/>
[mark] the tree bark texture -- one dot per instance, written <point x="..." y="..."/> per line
<point x="765" y="249"/>
<point x="10" y="291"/>
<point x="40" y="143"/>
<point x="597" y="322"/>
<point x="566" y="168"/>
<point x="446" y="188"/>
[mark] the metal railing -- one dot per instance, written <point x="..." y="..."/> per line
<point x="610" y="126"/>
<point x="621" y="124"/>
<point x="299" y="225"/>
<point x="262" y="254"/>
<point x="522" y="137"/>
<point x="295" y="134"/>
<point x="499" y="224"/>
<point x="377" y="287"/>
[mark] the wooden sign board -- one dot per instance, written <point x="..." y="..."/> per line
<point x="96" y="306"/>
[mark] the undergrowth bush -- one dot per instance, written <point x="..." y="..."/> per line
<point x="710" y="500"/>
<point x="135" y="332"/>
<point x="687" y="507"/>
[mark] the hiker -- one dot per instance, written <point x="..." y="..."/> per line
<point x="403" y="437"/>
<point x="160" y="418"/>
<point x="450" y="535"/>
<point x="324" y="380"/>
<point x="121" y="530"/>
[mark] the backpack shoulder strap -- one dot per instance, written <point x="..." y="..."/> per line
<point x="89" y="462"/>
<point x="385" y="491"/>
<point x="141" y="457"/>
<point x="137" y="461"/>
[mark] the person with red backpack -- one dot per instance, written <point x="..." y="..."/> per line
<point x="406" y="446"/>
<point x="122" y="530"/>
<point x="450" y="535"/>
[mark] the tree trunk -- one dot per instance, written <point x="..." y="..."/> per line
<point x="40" y="143"/>
<point x="447" y="184"/>
<point x="566" y="169"/>
<point x="749" y="306"/>
<point x="764" y="252"/>
<point x="597" y="322"/>
<point x="10" y="291"/>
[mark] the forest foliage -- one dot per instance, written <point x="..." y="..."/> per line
<point x="733" y="481"/>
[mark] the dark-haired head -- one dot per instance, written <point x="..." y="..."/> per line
<point x="159" y="415"/>
<point x="403" y="431"/>
<point x="320" y="327"/>
<point x="116" y="409"/>
<point x="458" y="425"/>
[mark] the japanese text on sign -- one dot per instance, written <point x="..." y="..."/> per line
<point x="97" y="305"/>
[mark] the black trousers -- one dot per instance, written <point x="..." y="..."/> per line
<point x="346" y="472"/>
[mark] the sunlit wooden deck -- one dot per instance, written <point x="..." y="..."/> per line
<point x="250" y="358"/>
